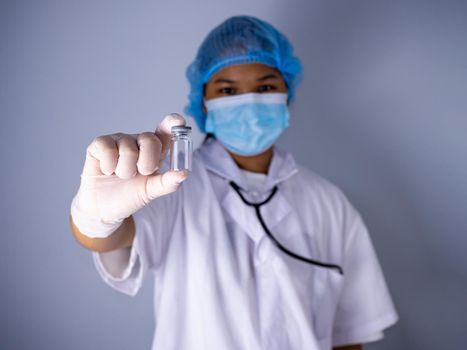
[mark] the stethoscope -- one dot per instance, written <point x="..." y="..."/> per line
<point x="257" y="207"/>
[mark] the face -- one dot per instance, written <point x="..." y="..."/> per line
<point x="244" y="78"/>
<point x="241" y="79"/>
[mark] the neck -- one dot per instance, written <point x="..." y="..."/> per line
<point x="257" y="164"/>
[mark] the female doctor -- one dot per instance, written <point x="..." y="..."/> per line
<point x="252" y="251"/>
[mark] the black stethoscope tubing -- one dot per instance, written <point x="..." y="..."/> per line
<point x="257" y="207"/>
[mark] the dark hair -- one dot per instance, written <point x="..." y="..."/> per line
<point x="208" y="136"/>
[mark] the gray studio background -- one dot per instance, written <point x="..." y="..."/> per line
<point x="381" y="112"/>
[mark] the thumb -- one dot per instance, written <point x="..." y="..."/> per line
<point x="162" y="184"/>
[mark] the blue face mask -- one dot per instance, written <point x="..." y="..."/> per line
<point x="247" y="124"/>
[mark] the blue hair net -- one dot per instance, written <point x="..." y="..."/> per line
<point x="239" y="39"/>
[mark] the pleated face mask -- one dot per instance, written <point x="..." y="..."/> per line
<point x="247" y="124"/>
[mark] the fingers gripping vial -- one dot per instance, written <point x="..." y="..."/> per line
<point x="105" y="197"/>
<point x="181" y="148"/>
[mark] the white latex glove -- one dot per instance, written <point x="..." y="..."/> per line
<point x="120" y="176"/>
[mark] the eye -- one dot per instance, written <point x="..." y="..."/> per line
<point x="266" y="88"/>
<point x="227" y="91"/>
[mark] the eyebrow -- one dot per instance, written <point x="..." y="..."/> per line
<point x="230" y="81"/>
<point x="269" y="76"/>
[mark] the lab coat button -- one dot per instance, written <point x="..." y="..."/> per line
<point x="254" y="194"/>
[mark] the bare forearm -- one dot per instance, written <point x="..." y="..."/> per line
<point x="349" y="347"/>
<point x="121" y="238"/>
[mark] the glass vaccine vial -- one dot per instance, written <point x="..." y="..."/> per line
<point x="181" y="148"/>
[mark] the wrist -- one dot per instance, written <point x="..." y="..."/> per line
<point x="89" y="226"/>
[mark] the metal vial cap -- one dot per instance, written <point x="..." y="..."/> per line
<point x="180" y="129"/>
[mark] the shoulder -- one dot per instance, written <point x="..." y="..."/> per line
<point x="313" y="195"/>
<point x="309" y="181"/>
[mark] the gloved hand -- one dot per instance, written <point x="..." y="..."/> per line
<point x="120" y="176"/>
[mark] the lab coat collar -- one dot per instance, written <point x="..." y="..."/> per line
<point x="217" y="159"/>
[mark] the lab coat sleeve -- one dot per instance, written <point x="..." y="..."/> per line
<point x="365" y="307"/>
<point x="121" y="269"/>
<point x="124" y="269"/>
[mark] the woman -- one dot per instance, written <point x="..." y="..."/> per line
<point x="298" y="272"/>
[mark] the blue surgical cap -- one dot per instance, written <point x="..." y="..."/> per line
<point x="239" y="39"/>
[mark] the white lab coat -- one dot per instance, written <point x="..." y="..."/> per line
<point x="220" y="283"/>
